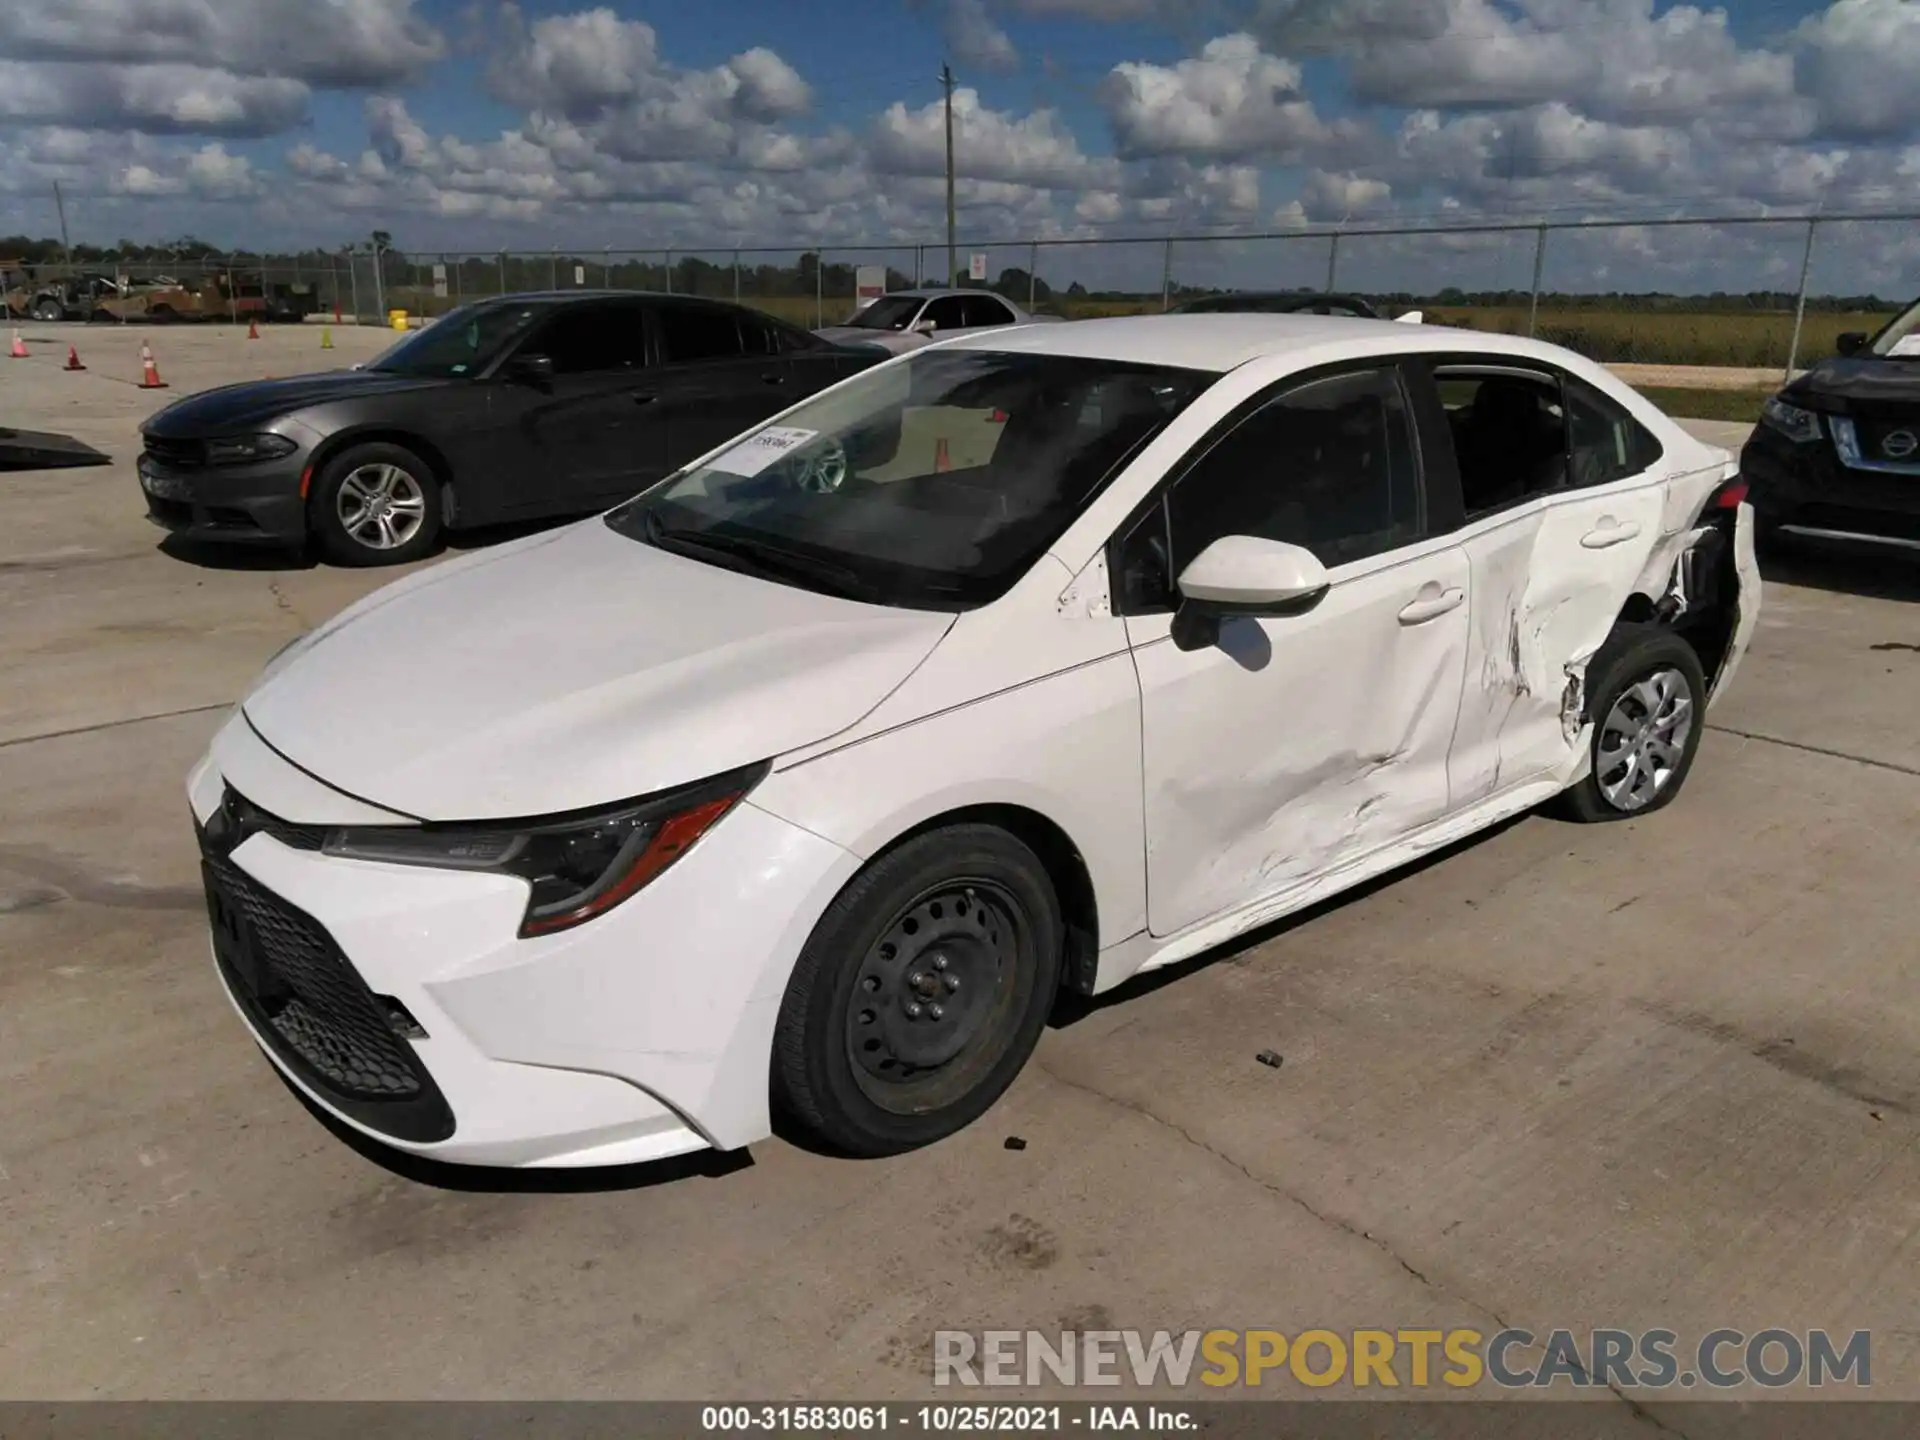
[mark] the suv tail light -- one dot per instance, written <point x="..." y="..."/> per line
<point x="1730" y="496"/>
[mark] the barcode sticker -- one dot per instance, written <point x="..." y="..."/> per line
<point x="757" y="452"/>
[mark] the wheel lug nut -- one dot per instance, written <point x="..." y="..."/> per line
<point x="913" y="1011"/>
<point x="916" y="979"/>
<point x="939" y="962"/>
<point x="953" y="982"/>
<point x="935" y="1011"/>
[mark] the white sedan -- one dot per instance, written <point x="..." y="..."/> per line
<point x="907" y="319"/>
<point x="808" y="781"/>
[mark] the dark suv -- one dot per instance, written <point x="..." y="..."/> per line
<point x="1836" y="455"/>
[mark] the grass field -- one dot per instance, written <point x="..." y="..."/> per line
<point x="1651" y="337"/>
<point x="1692" y="404"/>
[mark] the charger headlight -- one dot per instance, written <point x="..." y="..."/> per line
<point x="576" y="866"/>
<point x="239" y="449"/>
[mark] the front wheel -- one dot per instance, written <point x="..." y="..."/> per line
<point x="48" y="311"/>
<point x="921" y="992"/>
<point x="1649" y="702"/>
<point x="376" y="504"/>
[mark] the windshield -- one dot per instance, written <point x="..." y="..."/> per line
<point x="1902" y="337"/>
<point x="461" y="342"/>
<point x="931" y="484"/>
<point x="889" y="312"/>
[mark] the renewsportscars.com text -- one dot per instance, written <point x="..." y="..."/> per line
<point x="1511" y="1359"/>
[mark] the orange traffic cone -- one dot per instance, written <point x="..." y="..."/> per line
<point x="941" y="460"/>
<point x="19" y="350"/>
<point x="253" y="329"/>
<point x="149" y="372"/>
<point x="73" y="359"/>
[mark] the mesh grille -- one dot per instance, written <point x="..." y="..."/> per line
<point x="182" y="454"/>
<point x="304" y="988"/>
<point x="251" y="817"/>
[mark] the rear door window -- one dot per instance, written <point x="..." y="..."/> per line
<point x="692" y="333"/>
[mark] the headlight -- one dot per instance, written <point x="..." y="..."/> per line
<point x="1800" y="426"/>
<point x="577" y="866"/>
<point x="238" y="449"/>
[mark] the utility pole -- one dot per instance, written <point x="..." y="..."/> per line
<point x="946" y="84"/>
<point x="66" y="248"/>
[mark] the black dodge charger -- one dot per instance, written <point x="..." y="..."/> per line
<point x="1836" y="456"/>
<point x="517" y="408"/>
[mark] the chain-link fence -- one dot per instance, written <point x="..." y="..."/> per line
<point x="1743" y="293"/>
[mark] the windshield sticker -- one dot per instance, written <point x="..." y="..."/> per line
<point x="1906" y="345"/>
<point x="757" y="452"/>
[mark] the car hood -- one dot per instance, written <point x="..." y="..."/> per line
<point x="250" y="404"/>
<point x="894" y="342"/>
<point x="575" y="669"/>
<point x="1843" y="383"/>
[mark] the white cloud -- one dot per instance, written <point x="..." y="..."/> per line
<point x="1232" y="100"/>
<point x="346" y="43"/>
<point x="155" y="99"/>
<point x="1859" y="61"/>
<point x="1034" y="149"/>
<point x="975" y="39"/>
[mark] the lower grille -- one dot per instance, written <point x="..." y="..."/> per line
<point x="310" y="1005"/>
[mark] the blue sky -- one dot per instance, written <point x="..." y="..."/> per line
<point x="479" y="123"/>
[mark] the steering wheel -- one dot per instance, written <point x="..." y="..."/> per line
<point x="821" y="469"/>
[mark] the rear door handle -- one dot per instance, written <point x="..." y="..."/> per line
<point x="775" y="378"/>
<point x="1431" y="607"/>
<point x="1610" y="534"/>
<point x="645" y="399"/>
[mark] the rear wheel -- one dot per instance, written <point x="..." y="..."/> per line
<point x="921" y="993"/>
<point x="1648" y="696"/>
<point x="48" y="311"/>
<point x="376" y="504"/>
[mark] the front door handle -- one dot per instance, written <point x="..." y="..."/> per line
<point x="645" y="399"/>
<point x="1431" y="607"/>
<point x="1610" y="533"/>
<point x="773" y="378"/>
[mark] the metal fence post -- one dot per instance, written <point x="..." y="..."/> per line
<point x="553" y="268"/>
<point x="606" y="267"/>
<point x="1033" y="266"/>
<point x="379" y="286"/>
<point x="1539" y="264"/>
<point x="736" y="277"/>
<point x="1333" y="261"/>
<point x="1166" y="276"/>
<point x="819" y="293"/>
<point x="1800" y="304"/>
<point x="353" y="278"/>
<point x="502" y="259"/>
<point x="668" y="262"/>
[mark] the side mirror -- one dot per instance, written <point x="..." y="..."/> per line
<point x="1852" y="342"/>
<point x="532" y="367"/>
<point x="1245" y="575"/>
<point x="924" y="327"/>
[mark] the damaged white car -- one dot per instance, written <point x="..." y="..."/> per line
<point x="809" y="779"/>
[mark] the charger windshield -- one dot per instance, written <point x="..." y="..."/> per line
<point x="930" y="483"/>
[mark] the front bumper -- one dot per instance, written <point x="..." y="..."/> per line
<point x="257" y="504"/>
<point x="1803" y="490"/>
<point x="642" y="1034"/>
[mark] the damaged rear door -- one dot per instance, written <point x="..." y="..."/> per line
<point x="1293" y="744"/>
<point x="1564" y="502"/>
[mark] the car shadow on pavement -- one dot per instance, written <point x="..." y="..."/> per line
<point x="498" y="1180"/>
<point x="1072" y="1009"/>
<point x="1864" y="570"/>
<point x="212" y="555"/>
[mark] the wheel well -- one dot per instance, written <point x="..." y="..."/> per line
<point x="1065" y="867"/>
<point x="425" y="449"/>
<point x="1637" y="611"/>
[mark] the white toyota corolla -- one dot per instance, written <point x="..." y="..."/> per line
<point x="809" y="779"/>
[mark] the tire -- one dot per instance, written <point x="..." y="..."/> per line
<point x="1641" y="670"/>
<point x="356" y="482"/>
<point x="48" y="311"/>
<point x="864" y="1059"/>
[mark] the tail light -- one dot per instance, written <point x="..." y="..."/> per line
<point x="1729" y="496"/>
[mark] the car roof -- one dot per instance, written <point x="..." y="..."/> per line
<point x="934" y="292"/>
<point x="1224" y="341"/>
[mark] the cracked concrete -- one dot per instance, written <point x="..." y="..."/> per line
<point x="1651" y="1074"/>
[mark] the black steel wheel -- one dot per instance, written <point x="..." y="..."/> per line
<point x="921" y="993"/>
